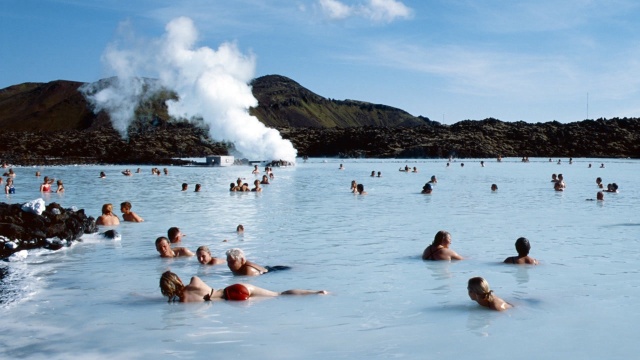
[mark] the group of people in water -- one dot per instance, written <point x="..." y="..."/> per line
<point x="45" y="187"/>
<point x="478" y="287"/>
<point x="197" y="290"/>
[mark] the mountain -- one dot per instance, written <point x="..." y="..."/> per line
<point x="58" y="105"/>
<point x="283" y="102"/>
<point x="52" y="123"/>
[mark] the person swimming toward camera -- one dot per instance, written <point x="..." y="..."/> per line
<point x="166" y="251"/>
<point x="480" y="292"/>
<point x="198" y="291"/>
<point x="522" y="247"/>
<point x="439" y="248"/>
<point x="239" y="265"/>
<point x="204" y="257"/>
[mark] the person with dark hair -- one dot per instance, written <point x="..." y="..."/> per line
<point x="174" y="234"/>
<point x="494" y="187"/>
<point x="439" y="248"/>
<point x="427" y="189"/>
<point x="197" y="291"/>
<point x="185" y="186"/>
<point x="360" y="189"/>
<point x="198" y="187"/>
<point x="522" y="247"/>
<point x="127" y="214"/>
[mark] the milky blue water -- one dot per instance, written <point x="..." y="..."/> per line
<point x="100" y="298"/>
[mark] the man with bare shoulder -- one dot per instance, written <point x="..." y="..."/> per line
<point x="522" y="247"/>
<point x="127" y="214"/>
<point x="239" y="265"/>
<point x="164" y="248"/>
<point x="204" y="257"/>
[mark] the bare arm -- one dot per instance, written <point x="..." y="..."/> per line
<point x="180" y="251"/>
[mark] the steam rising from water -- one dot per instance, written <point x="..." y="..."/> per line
<point x="209" y="83"/>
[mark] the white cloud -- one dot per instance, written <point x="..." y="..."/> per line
<point x="375" y="10"/>
<point x="335" y="9"/>
<point x="385" y="10"/>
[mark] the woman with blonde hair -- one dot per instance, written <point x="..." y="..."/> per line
<point x="197" y="291"/>
<point x="107" y="217"/>
<point x="480" y="292"/>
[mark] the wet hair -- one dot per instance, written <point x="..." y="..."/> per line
<point x="59" y="182"/>
<point x="171" y="285"/>
<point x="198" y="186"/>
<point x="240" y="228"/>
<point x="494" y="187"/>
<point x="173" y="232"/>
<point x="427" y="187"/>
<point x="107" y="209"/>
<point x="236" y="254"/>
<point x="600" y="195"/>
<point x="232" y="185"/>
<point x="203" y="248"/>
<point x="360" y="188"/>
<point x="440" y="237"/>
<point x="523" y="246"/>
<point x="480" y="286"/>
<point x="161" y="239"/>
<point x="125" y="205"/>
<point x="598" y="179"/>
<point x="184" y="186"/>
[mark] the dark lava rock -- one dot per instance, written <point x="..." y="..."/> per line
<point x="31" y="231"/>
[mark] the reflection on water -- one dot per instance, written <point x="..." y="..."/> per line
<point x="100" y="298"/>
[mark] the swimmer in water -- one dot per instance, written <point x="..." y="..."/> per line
<point x="433" y="180"/>
<point x="599" y="196"/>
<point x="102" y="175"/>
<point x="175" y="235"/>
<point x="164" y="249"/>
<point x="60" y="187"/>
<point x="127" y="214"/>
<point x="522" y="247"/>
<point x="46" y="184"/>
<point x="354" y="186"/>
<point x="341" y="167"/>
<point x="204" y="257"/>
<point x="439" y="248"/>
<point x="107" y="218"/>
<point x="427" y="189"/>
<point x="360" y="189"/>
<point x="255" y="170"/>
<point x="373" y="173"/>
<point x="494" y="187"/>
<point x="599" y="183"/>
<point x="8" y="188"/>
<point x="239" y="265"/>
<point x="185" y="186"/>
<point x="198" y="187"/>
<point x="240" y="229"/>
<point x="257" y="187"/>
<point x="265" y="180"/>
<point x="197" y="291"/>
<point x="480" y="292"/>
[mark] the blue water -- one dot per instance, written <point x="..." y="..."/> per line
<point x="100" y="298"/>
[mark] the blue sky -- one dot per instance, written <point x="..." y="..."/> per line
<point x="451" y="60"/>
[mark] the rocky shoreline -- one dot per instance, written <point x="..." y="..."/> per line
<point x="615" y="138"/>
<point x="33" y="226"/>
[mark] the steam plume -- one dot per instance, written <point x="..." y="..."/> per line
<point x="209" y="83"/>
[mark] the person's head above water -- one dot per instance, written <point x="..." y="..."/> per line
<point x="441" y="238"/>
<point x="480" y="287"/>
<point x="107" y="209"/>
<point x="204" y="254"/>
<point x="174" y="234"/>
<point x="522" y="246"/>
<point x="171" y="286"/>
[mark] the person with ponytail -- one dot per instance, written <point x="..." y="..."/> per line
<point x="480" y="292"/>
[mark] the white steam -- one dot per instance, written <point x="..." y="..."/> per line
<point x="210" y="83"/>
